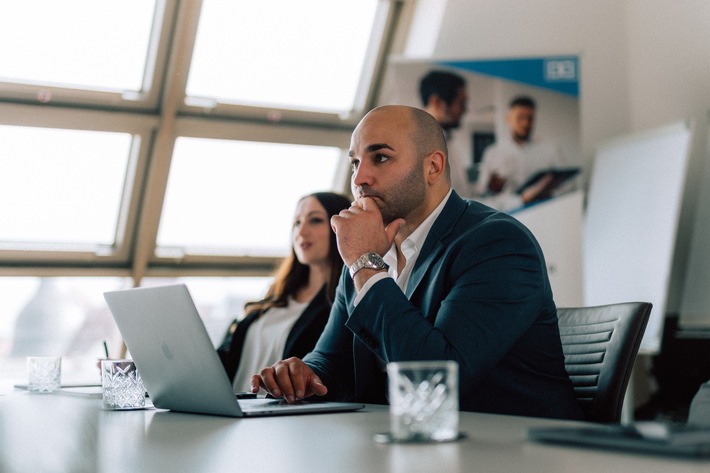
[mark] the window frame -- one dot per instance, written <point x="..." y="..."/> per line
<point x="140" y="127"/>
<point x="142" y="100"/>
<point x="155" y="117"/>
<point x="365" y="95"/>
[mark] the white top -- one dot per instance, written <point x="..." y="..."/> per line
<point x="515" y="163"/>
<point x="265" y="341"/>
<point x="410" y="249"/>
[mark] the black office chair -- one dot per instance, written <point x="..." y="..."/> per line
<point x="600" y="346"/>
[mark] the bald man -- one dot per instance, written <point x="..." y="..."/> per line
<point x="430" y="276"/>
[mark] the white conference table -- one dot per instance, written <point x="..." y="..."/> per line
<point x="68" y="433"/>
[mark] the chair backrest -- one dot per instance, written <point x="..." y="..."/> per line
<point x="600" y="346"/>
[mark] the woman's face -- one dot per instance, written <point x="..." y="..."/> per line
<point x="310" y="234"/>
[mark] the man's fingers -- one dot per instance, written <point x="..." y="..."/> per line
<point x="392" y="229"/>
<point x="291" y="379"/>
<point x="256" y="383"/>
<point x="282" y="376"/>
<point x="316" y="386"/>
<point x="297" y="381"/>
<point x="268" y="381"/>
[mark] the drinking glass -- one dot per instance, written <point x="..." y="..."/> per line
<point x="122" y="385"/>
<point x="44" y="373"/>
<point x="424" y="401"/>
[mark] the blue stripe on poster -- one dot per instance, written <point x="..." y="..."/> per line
<point x="560" y="73"/>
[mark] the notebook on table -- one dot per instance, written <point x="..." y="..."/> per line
<point x="180" y="368"/>
<point x="652" y="437"/>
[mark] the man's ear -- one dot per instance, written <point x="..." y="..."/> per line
<point x="509" y="118"/>
<point x="436" y="101"/>
<point x="435" y="165"/>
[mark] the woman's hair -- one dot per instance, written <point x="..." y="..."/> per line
<point x="292" y="275"/>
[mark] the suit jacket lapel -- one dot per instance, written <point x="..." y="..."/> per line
<point x="309" y="315"/>
<point x="434" y="243"/>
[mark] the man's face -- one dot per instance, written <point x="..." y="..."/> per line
<point x="450" y="117"/>
<point x="385" y="164"/>
<point x="521" y="121"/>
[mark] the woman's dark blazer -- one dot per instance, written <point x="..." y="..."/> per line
<point x="301" y="339"/>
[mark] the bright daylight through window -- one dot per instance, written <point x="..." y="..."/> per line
<point x="76" y="43"/>
<point x="43" y="173"/>
<point x="306" y="54"/>
<point x="153" y="141"/>
<point x="235" y="210"/>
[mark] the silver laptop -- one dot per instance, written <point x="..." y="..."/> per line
<point x="179" y="366"/>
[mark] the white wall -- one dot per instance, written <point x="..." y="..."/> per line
<point x="520" y="28"/>
<point x="669" y="80"/>
<point x="668" y="60"/>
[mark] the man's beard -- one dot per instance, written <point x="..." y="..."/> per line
<point x="523" y="138"/>
<point x="449" y="126"/>
<point x="402" y="198"/>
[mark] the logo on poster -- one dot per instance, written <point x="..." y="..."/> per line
<point x="560" y="70"/>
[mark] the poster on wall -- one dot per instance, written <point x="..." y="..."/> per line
<point x="551" y="82"/>
<point x="490" y="84"/>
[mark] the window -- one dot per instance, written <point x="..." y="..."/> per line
<point x="87" y="172"/>
<point x="55" y="316"/>
<point x="166" y="140"/>
<point x="61" y="187"/>
<point x="69" y="317"/>
<point x="237" y="197"/>
<point x="76" y="43"/>
<point x="319" y="46"/>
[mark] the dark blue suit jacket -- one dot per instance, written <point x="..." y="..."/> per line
<point x="479" y="294"/>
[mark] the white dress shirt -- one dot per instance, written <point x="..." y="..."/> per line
<point x="515" y="163"/>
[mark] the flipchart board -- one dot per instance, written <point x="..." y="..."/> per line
<point x="695" y="302"/>
<point x="633" y="211"/>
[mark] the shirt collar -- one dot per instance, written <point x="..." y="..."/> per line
<point x="414" y="242"/>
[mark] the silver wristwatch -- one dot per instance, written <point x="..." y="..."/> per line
<point x="368" y="260"/>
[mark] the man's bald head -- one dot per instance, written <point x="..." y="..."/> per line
<point x="425" y="132"/>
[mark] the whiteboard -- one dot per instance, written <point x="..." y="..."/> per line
<point x="695" y="302"/>
<point x="633" y="210"/>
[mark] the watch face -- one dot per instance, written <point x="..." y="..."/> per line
<point x="375" y="261"/>
<point x="368" y="260"/>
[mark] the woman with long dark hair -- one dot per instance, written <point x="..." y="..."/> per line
<point x="289" y="319"/>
